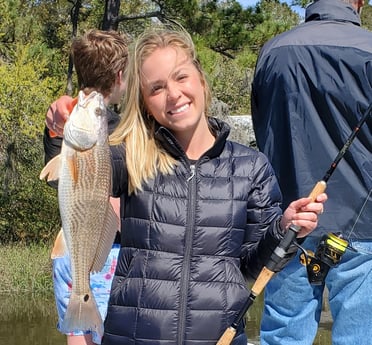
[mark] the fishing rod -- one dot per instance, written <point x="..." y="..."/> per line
<point x="280" y="251"/>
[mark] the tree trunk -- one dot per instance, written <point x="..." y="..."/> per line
<point x="112" y="9"/>
<point x="75" y="10"/>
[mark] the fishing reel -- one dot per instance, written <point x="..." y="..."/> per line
<point x="328" y="254"/>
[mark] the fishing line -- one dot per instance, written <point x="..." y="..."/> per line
<point x="360" y="213"/>
<point x="347" y="144"/>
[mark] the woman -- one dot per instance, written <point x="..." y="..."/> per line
<point x="201" y="214"/>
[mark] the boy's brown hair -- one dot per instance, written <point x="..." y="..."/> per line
<point x="98" y="56"/>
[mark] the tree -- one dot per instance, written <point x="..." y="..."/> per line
<point x="275" y="18"/>
<point x="112" y="10"/>
<point x="224" y="26"/>
<point x="366" y="17"/>
<point x="26" y="92"/>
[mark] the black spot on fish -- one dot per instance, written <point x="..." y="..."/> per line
<point x="86" y="298"/>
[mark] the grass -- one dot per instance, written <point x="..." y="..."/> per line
<point x="25" y="269"/>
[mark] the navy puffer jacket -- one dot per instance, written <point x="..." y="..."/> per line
<point x="189" y="241"/>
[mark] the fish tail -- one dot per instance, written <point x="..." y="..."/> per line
<point x="82" y="315"/>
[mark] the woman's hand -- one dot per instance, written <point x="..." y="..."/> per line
<point x="57" y="114"/>
<point x="304" y="213"/>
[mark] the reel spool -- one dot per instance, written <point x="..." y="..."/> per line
<point x="328" y="254"/>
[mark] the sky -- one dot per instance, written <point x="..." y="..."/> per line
<point x="297" y="9"/>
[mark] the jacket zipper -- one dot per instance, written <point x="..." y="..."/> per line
<point x="184" y="286"/>
<point x="192" y="168"/>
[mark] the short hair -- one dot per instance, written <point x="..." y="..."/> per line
<point x="98" y="56"/>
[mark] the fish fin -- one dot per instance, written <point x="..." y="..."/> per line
<point x="111" y="226"/>
<point x="59" y="248"/>
<point x="82" y="314"/>
<point x="72" y="166"/>
<point x="51" y="170"/>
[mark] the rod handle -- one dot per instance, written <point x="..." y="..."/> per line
<point x="262" y="280"/>
<point x="227" y="336"/>
<point x="319" y="188"/>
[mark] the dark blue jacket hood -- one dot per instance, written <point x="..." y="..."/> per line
<point x="331" y="10"/>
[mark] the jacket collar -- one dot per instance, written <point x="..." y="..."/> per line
<point x="219" y="129"/>
<point x="335" y="10"/>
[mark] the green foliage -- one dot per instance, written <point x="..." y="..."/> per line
<point x="229" y="81"/>
<point x="55" y="24"/>
<point x="136" y="9"/>
<point x="223" y="26"/>
<point x="275" y="18"/>
<point x="26" y="92"/>
<point x="366" y="17"/>
<point x="227" y="30"/>
<point x="301" y="3"/>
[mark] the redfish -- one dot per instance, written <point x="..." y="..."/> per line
<point x="89" y="223"/>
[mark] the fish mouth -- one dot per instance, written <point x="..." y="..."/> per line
<point x="86" y="125"/>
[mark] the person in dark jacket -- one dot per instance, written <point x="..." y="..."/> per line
<point x="100" y="59"/>
<point x="201" y="214"/>
<point x="312" y="85"/>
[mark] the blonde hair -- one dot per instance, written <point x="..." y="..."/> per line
<point x="144" y="155"/>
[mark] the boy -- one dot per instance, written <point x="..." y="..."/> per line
<point x="100" y="59"/>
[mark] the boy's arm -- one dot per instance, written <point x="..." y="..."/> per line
<point x="56" y="116"/>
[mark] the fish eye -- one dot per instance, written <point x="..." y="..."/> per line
<point x="98" y="111"/>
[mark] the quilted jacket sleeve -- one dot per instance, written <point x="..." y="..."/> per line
<point x="263" y="232"/>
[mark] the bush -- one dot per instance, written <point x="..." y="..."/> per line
<point x="28" y="208"/>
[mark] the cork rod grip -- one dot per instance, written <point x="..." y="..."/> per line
<point x="261" y="281"/>
<point x="227" y="336"/>
<point x="319" y="188"/>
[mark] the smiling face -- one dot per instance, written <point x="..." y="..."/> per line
<point x="174" y="92"/>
